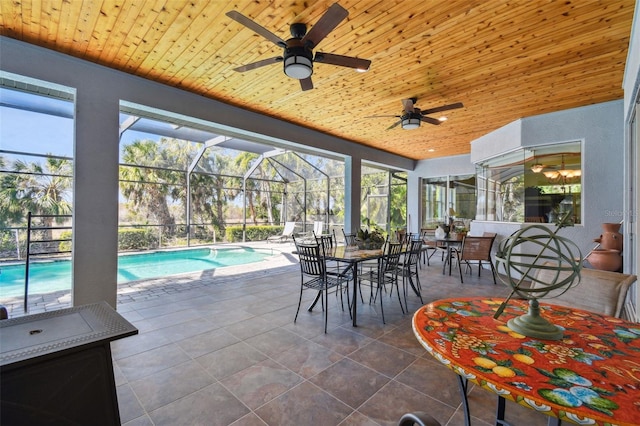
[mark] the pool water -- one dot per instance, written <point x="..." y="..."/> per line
<point x="47" y="277"/>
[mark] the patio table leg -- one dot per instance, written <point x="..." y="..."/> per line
<point x="355" y="294"/>
<point x="462" y="384"/>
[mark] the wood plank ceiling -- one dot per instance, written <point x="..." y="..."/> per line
<point x="503" y="59"/>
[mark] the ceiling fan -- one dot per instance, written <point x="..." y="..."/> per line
<point x="412" y="115"/>
<point x="298" y="54"/>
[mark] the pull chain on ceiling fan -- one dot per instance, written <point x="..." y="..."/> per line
<point x="298" y="57"/>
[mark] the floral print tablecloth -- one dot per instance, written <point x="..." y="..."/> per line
<point x="591" y="376"/>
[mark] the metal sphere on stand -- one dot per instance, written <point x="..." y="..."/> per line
<point x="521" y="256"/>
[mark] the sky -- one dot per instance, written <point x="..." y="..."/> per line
<point x="32" y="132"/>
<point x="23" y="130"/>
<point x="27" y="131"/>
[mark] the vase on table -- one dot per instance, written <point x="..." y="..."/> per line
<point x="444" y="231"/>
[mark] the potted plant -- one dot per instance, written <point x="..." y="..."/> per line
<point x="369" y="240"/>
<point x="458" y="233"/>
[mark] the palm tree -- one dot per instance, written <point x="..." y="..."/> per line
<point x="209" y="195"/>
<point x="42" y="189"/>
<point x="147" y="187"/>
<point x="243" y="162"/>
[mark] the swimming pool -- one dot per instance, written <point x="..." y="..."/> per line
<point x="47" y="277"/>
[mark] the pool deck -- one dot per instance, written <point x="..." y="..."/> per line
<point x="153" y="288"/>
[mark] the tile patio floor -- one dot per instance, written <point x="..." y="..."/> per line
<point x="221" y="348"/>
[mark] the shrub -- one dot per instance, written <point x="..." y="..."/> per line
<point x="136" y="239"/>
<point x="253" y="232"/>
<point x="65" y="245"/>
<point x="8" y="244"/>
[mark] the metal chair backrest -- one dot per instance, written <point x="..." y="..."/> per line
<point x="349" y="239"/>
<point x="391" y="257"/>
<point x="326" y="242"/>
<point x="401" y="236"/>
<point x="415" y="248"/>
<point x="476" y="248"/>
<point x="311" y="260"/>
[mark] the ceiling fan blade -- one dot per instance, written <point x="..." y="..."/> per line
<point x="342" y="61"/>
<point x="306" y="84"/>
<point x="394" y="125"/>
<point x="442" y="108"/>
<point x="381" y="116"/>
<point x="258" y="64"/>
<point x="431" y="120"/>
<point x="327" y="22"/>
<point x="408" y="105"/>
<point x="247" y="22"/>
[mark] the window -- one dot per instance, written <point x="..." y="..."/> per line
<point x="534" y="185"/>
<point x="448" y="197"/>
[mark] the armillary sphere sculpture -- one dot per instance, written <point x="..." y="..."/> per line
<point x="524" y="253"/>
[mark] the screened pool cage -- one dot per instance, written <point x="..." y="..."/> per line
<point x="182" y="183"/>
<point x="212" y="187"/>
<point x="221" y="187"/>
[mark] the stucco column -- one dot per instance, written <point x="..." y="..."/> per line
<point x="352" y="193"/>
<point x="95" y="197"/>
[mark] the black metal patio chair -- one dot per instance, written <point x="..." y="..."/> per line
<point x="314" y="276"/>
<point x="386" y="274"/>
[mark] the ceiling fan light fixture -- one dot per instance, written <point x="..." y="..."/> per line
<point x="410" y="121"/>
<point x="298" y="63"/>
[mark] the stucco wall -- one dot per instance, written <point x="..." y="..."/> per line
<point x="506" y="138"/>
<point x="600" y="127"/>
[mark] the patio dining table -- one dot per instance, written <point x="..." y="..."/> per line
<point x="346" y="254"/>
<point x="449" y="244"/>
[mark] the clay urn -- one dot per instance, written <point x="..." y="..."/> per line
<point x="605" y="259"/>
<point x="611" y="238"/>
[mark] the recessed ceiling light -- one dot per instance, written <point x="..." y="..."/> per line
<point x="443" y="118"/>
<point x="431" y="150"/>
